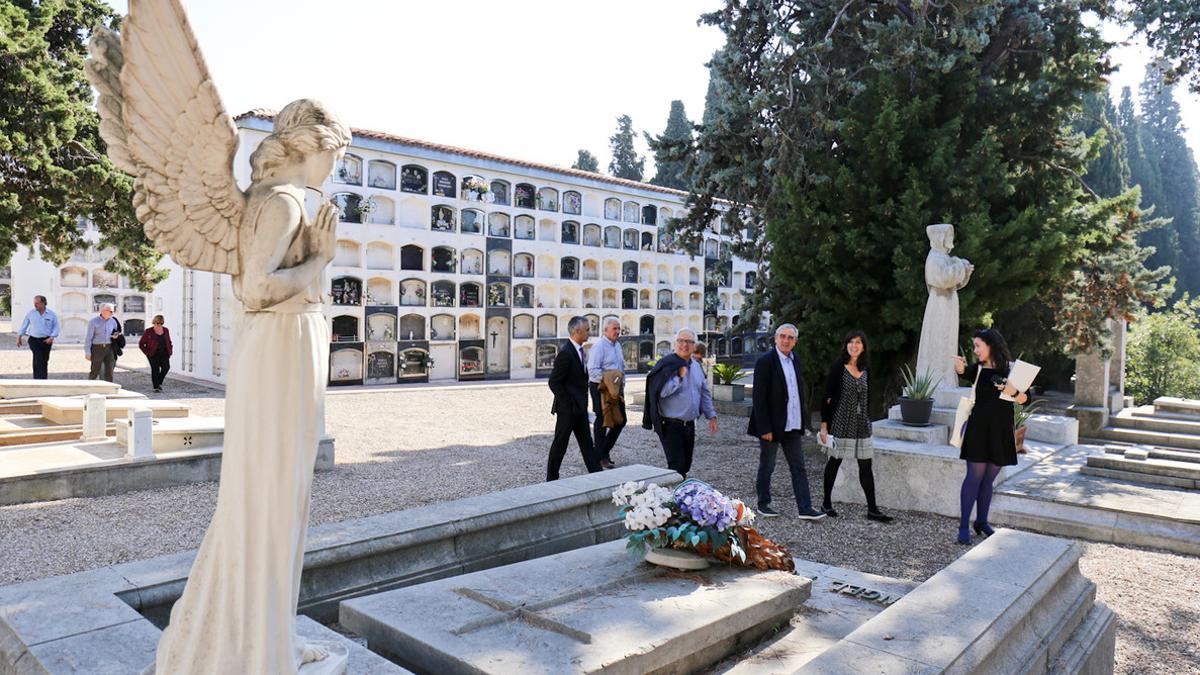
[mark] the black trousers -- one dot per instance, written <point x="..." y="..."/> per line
<point x="679" y="440"/>
<point x="41" y="357"/>
<point x="605" y="437"/>
<point x="104" y="359"/>
<point x="160" y="365"/>
<point x="568" y="423"/>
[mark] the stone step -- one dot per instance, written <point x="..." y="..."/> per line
<point x="1159" y="438"/>
<point x="19" y="388"/>
<point x="33" y="406"/>
<point x="1138" y="477"/>
<point x="1150" y="466"/>
<point x="181" y="433"/>
<point x="1128" y="419"/>
<point x="934" y="434"/>
<point x="1152" y="452"/>
<point x="1172" y="404"/>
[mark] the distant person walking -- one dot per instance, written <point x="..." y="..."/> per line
<point x="98" y="344"/>
<point x="845" y="416"/>
<point x="156" y="345"/>
<point x="605" y="360"/>
<point x="988" y="444"/>
<point x="778" y="420"/>
<point x="676" y="395"/>
<point x="41" y="326"/>
<point x="569" y="382"/>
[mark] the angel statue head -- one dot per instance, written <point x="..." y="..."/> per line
<point x="306" y="131"/>
<point x="941" y="237"/>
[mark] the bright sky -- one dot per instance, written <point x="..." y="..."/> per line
<point x="529" y="80"/>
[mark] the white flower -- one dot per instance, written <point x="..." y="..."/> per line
<point x="622" y="494"/>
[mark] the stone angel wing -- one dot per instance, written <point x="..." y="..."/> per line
<point x="164" y="123"/>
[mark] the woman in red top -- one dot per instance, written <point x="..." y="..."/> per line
<point x="156" y="345"/>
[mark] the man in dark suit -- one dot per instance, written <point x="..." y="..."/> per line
<point x="569" y="382"/>
<point x="778" y="421"/>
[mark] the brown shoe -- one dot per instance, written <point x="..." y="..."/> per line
<point x="605" y="464"/>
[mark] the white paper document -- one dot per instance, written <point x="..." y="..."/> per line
<point x="1020" y="376"/>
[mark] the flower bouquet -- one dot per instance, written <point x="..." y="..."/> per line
<point x="697" y="518"/>
<point x="478" y="186"/>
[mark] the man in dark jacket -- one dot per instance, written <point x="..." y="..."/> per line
<point x="778" y="420"/>
<point x="569" y="382"/>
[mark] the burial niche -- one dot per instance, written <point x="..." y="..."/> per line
<point x="444" y="184"/>
<point x="345" y="328"/>
<point x="381" y="174"/>
<point x="414" y="178"/>
<point x="412" y="327"/>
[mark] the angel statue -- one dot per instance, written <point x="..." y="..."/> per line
<point x="944" y="276"/>
<point x="164" y="123"/>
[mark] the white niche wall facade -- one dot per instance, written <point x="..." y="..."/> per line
<point x="483" y="261"/>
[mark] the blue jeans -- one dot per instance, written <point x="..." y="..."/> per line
<point x="795" y="460"/>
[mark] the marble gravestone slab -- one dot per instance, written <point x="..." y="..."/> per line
<point x="60" y="410"/>
<point x="17" y="388"/>
<point x="598" y="609"/>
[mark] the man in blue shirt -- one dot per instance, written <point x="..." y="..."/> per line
<point x="97" y="344"/>
<point x="681" y="395"/>
<point x="41" y="325"/>
<point x="605" y="355"/>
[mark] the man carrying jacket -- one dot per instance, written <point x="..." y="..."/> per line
<point x="677" y="394"/>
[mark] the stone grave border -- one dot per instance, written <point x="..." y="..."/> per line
<point x="108" y="618"/>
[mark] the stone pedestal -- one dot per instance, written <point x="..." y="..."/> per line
<point x="95" y="418"/>
<point x="1116" y="368"/>
<point x="139" y="432"/>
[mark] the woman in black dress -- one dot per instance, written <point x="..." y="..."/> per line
<point x="988" y="444"/>
<point x="845" y="414"/>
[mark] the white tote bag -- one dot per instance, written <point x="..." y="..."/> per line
<point x="965" y="406"/>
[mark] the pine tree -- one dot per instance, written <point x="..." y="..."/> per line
<point x="669" y="161"/>
<point x="1144" y="173"/>
<point x="844" y="130"/>
<point x="586" y="161"/>
<point x="625" y="161"/>
<point x="1180" y="179"/>
<point x="1108" y="174"/>
<point x="53" y="170"/>
<point x="1172" y="28"/>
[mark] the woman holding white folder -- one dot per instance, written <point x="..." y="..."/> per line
<point x="988" y="443"/>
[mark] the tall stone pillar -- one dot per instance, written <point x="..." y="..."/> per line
<point x="1092" y="392"/>
<point x="1116" y="368"/>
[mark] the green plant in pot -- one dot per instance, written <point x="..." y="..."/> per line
<point x="916" y="399"/>
<point x="725" y="381"/>
<point x="1021" y="415"/>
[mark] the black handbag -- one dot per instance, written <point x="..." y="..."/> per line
<point x="118" y="343"/>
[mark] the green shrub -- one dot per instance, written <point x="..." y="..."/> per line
<point x="1162" y="355"/>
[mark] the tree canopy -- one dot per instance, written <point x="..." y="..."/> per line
<point x="671" y="171"/>
<point x="53" y="171"/>
<point x="1172" y="28"/>
<point x="844" y="129"/>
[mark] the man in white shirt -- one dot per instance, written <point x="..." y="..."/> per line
<point x="605" y="355"/>
<point x="41" y="326"/>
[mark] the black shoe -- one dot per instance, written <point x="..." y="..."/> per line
<point x="605" y="464"/>
<point x="158" y="390"/>
<point x="830" y="511"/>
<point x="879" y="517"/>
<point x="811" y="514"/>
<point x="768" y="512"/>
<point x="983" y="529"/>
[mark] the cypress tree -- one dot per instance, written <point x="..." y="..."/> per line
<point x="586" y="161"/>
<point x="670" y="166"/>
<point x="625" y="161"/>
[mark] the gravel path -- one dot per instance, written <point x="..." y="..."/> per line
<point x="414" y="447"/>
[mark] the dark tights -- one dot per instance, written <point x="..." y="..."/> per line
<point x="865" y="478"/>
<point x="976" y="492"/>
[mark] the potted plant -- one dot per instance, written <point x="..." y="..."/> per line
<point x="916" y="400"/>
<point x="1021" y="415"/>
<point x="725" y="386"/>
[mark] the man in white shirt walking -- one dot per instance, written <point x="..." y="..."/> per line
<point x="605" y="355"/>
<point x="41" y="326"/>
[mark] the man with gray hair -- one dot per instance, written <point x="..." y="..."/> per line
<point x="778" y="420"/>
<point x="677" y="394"/>
<point x="605" y="358"/>
<point x="98" y="343"/>
<point x="569" y="382"/>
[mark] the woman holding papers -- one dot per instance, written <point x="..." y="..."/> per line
<point x="846" y="423"/>
<point x="988" y="443"/>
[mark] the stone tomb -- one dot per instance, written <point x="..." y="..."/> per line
<point x="596" y="609"/>
<point x="62" y="410"/>
<point x="15" y="388"/>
